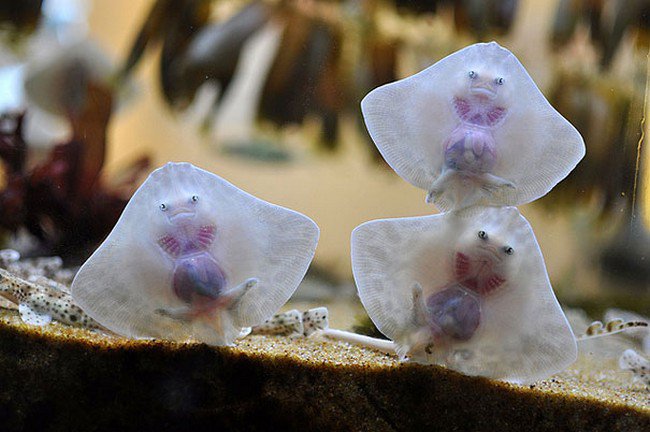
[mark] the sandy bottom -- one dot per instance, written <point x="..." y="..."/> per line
<point x="595" y="376"/>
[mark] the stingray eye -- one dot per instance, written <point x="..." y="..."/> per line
<point x="508" y="250"/>
<point x="499" y="81"/>
<point x="163" y="207"/>
<point x="472" y="74"/>
<point x="482" y="235"/>
<point x="195" y="198"/>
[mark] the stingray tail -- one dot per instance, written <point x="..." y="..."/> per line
<point x="216" y="328"/>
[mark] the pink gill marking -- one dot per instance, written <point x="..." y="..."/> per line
<point x="462" y="266"/>
<point x="462" y="107"/>
<point x="206" y="235"/>
<point x="483" y="286"/>
<point x="495" y="115"/>
<point x="493" y="282"/>
<point x="170" y="245"/>
<point x="478" y="115"/>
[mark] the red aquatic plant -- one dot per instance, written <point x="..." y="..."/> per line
<point x="63" y="200"/>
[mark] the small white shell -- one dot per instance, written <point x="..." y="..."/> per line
<point x="410" y="120"/>
<point x="33" y="317"/>
<point x="129" y="279"/>
<point x="523" y="334"/>
<point x="314" y="320"/>
<point x="287" y="324"/>
<point x="632" y="361"/>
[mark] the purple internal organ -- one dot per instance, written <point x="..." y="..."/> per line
<point x="471" y="147"/>
<point x="454" y="311"/>
<point x="198" y="280"/>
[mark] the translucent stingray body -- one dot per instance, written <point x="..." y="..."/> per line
<point x="194" y="257"/>
<point x="467" y="289"/>
<point x="472" y="129"/>
<point x="470" y="152"/>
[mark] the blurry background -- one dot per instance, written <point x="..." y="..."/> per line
<point x="266" y="94"/>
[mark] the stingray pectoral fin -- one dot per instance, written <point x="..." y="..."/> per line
<point x="33" y="317"/>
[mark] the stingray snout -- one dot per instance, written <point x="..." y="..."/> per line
<point x="492" y="253"/>
<point x="484" y="88"/>
<point x="181" y="212"/>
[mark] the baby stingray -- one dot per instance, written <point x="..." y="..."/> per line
<point x="193" y="256"/>
<point x="467" y="290"/>
<point x="473" y="129"/>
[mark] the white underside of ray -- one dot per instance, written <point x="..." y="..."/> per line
<point x="523" y="334"/>
<point x="128" y="281"/>
<point x="410" y="120"/>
